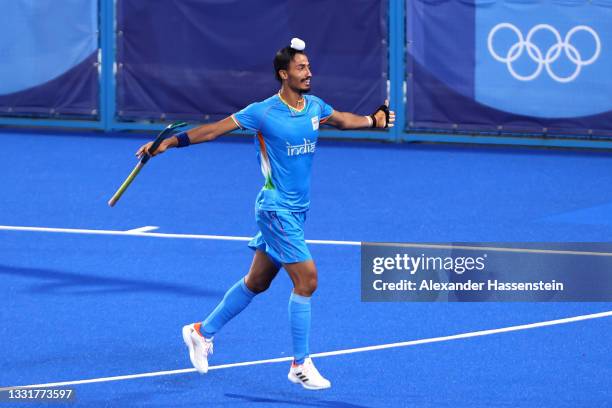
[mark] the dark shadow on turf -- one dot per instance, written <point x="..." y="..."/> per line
<point x="312" y="403"/>
<point x="68" y="283"/>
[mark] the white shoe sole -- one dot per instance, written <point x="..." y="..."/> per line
<point x="187" y="330"/>
<point x="296" y="380"/>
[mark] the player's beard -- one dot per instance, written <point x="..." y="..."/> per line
<point x="300" y="90"/>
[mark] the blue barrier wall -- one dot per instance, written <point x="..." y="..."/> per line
<point x="183" y="60"/>
<point x="49" y="58"/>
<point x="513" y="65"/>
<point x="123" y="64"/>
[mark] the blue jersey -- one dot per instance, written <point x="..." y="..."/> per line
<point x="286" y="141"/>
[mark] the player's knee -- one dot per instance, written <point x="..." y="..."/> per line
<point x="259" y="288"/>
<point x="309" y="286"/>
<point x="313" y="286"/>
<point x="257" y="285"/>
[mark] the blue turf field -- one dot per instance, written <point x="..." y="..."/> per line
<point x="82" y="306"/>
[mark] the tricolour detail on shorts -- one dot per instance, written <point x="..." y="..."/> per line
<point x="284" y="234"/>
<point x="280" y="247"/>
<point x="266" y="169"/>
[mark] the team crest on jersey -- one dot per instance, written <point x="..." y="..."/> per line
<point x="315" y="123"/>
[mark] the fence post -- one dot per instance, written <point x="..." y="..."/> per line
<point x="107" y="78"/>
<point x="397" y="65"/>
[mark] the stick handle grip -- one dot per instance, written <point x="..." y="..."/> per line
<point x="126" y="184"/>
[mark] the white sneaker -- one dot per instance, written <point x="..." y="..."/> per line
<point x="199" y="347"/>
<point x="307" y="375"/>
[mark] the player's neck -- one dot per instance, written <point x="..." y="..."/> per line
<point x="292" y="98"/>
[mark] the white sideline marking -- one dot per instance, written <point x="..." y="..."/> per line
<point x="136" y="233"/>
<point x="144" y="229"/>
<point x="140" y="232"/>
<point x="330" y="353"/>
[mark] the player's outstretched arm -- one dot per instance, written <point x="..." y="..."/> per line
<point x="200" y="134"/>
<point x="347" y="120"/>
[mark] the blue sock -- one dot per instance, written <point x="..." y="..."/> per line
<point x="235" y="300"/>
<point x="299" y="318"/>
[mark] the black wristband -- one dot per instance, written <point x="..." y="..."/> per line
<point x="373" y="120"/>
<point x="183" y="139"/>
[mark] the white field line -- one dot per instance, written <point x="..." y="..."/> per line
<point x="141" y="232"/>
<point x="136" y="233"/>
<point x="144" y="229"/>
<point x="331" y="353"/>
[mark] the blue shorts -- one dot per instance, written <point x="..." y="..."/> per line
<point x="281" y="236"/>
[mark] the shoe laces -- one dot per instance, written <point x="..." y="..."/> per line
<point x="309" y="368"/>
<point x="208" y="345"/>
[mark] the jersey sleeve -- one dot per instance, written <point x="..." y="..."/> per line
<point x="249" y="117"/>
<point x="326" y="110"/>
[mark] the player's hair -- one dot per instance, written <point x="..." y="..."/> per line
<point x="282" y="59"/>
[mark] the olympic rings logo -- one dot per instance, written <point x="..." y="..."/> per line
<point x="547" y="58"/>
